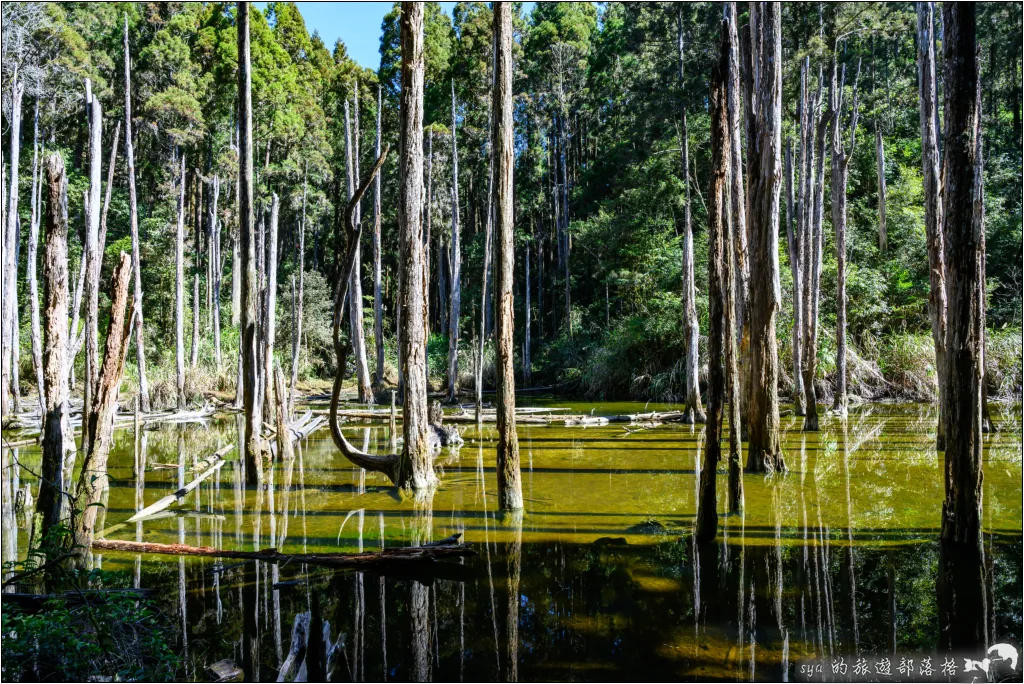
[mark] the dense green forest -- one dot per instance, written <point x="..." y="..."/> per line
<point x="602" y="201"/>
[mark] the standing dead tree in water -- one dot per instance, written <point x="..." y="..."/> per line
<point x="100" y="416"/>
<point x="52" y="485"/>
<point x="9" y="240"/>
<point x="456" y="263"/>
<point x="765" y="156"/>
<point x="355" y="299"/>
<point x="706" y="527"/>
<point x="933" y="201"/>
<point x="961" y="581"/>
<point x="378" y="294"/>
<point x="510" y="489"/>
<point x="694" y="410"/>
<point x="298" y="305"/>
<point x="840" y="179"/>
<point x="179" y="291"/>
<point x="268" y="332"/>
<point x="93" y="254"/>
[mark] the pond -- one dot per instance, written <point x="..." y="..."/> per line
<point x="598" y="579"/>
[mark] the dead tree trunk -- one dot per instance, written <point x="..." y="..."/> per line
<point x="254" y="444"/>
<point x="285" y="452"/>
<point x="216" y="270"/>
<point x="52" y="485"/>
<point x="355" y="298"/>
<point x="694" y="410"/>
<point x="813" y="247"/>
<point x="194" y="353"/>
<point x="510" y="490"/>
<point x="765" y="453"/>
<point x="527" y="314"/>
<point x="93" y="479"/>
<point x="378" y="295"/>
<point x="179" y="291"/>
<point x="456" y="262"/>
<point x="706" y="527"/>
<point x="883" y="237"/>
<point x="428" y="215"/>
<point x="793" y="241"/>
<point x="485" y="276"/>
<point x="933" y="202"/>
<point x="129" y="152"/>
<point x="297" y="329"/>
<point x="93" y="260"/>
<point x="10" y="275"/>
<point x="270" y="312"/>
<point x="961" y="581"/>
<point x="840" y="178"/>
<point x="737" y="186"/>
<point x="30" y="267"/>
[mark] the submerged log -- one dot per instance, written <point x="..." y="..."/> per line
<point x="397" y="556"/>
<point x="215" y="462"/>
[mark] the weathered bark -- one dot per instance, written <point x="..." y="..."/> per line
<point x="93" y="479"/>
<point x="485" y="277"/>
<point x="456" y="263"/>
<point x="793" y="237"/>
<point x="510" y="490"/>
<point x="415" y="467"/>
<point x="378" y="296"/>
<point x="93" y="259"/>
<point x="179" y="291"/>
<point x="269" y="331"/>
<point x="10" y="228"/>
<point x="216" y="270"/>
<point x="31" y="266"/>
<point x="297" y="303"/>
<point x="840" y="179"/>
<point x="737" y="186"/>
<point x="694" y="409"/>
<point x="765" y="453"/>
<point x="961" y="585"/>
<point x="933" y="202"/>
<point x="52" y="485"/>
<point x="254" y="444"/>
<point x="706" y="526"/>
<point x="285" y="452"/>
<point x="355" y="299"/>
<point x="194" y="352"/>
<point x="133" y="207"/>
<point x="15" y="331"/>
<point x="428" y="215"/>
<point x="813" y="246"/>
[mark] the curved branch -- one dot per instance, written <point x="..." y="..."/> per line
<point x="388" y="464"/>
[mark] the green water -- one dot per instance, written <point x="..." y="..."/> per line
<point x="598" y="579"/>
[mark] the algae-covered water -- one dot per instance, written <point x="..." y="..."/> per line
<point x="598" y="579"/>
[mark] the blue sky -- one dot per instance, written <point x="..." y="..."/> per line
<point x="356" y="23"/>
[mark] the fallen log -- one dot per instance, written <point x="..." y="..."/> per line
<point x="167" y="501"/>
<point x="585" y="421"/>
<point x="396" y="556"/>
<point x="181" y="416"/>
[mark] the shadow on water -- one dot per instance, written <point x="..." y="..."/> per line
<point x="599" y="579"/>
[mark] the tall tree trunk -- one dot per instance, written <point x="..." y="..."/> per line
<point x="416" y="467"/>
<point x="254" y="446"/>
<point x="355" y="297"/>
<point x="297" y="329"/>
<point x="527" y="311"/>
<point x="378" y="296"/>
<point x="485" y="276"/>
<point x="706" y="526"/>
<point x="456" y="262"/>
<point x="510" y="489"/>
<point x="52" y="484"/>
<point x="933" y="202"/>
<point x="31" y="266"/>
<point x="428" y="212"/>
<point x="179" y="290"/>
<point x="133" y="207"/>
<point x="961" y="583"/>
<point x="93" y="479"/>
<point x="796" y="270"/>
<point x="93" y="260"/>
<point x="883" y="236"/>
<point x="765" y="453"/>
<point x="813" y="246"/>
<point x="217" y="269"/>
<point x="270" y="314"/>
<point x="194" y="351"/>
<point x="840" y="178"/>
<point x="737" y="186"/>
<point x="15" y="332"/>
<point x="694" y="411"/>
<point x="10" y="274"/>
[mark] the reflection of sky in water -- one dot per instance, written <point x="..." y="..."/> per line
<point x="603" y="585"/>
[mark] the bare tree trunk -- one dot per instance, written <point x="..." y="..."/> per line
<point x="796" y="269"/>
<point x="10" y="274"/>
<point x="236" y="275"/>
<point x="527" y="315"/>
<point x="737" y="188"/>
<point x="706" y="526"/>
<point x="813" y="246"/>
<point x="416" y="467"/>
<point x="961" y="583"/>
<point x="194" y="352"/>
<point x="694" y="411"/>
<point x="765" y="453"/>
<point x="428" y="212"/>
<point x="52" y="484"/>
<point x="456" y="261"/>
<point x="93" y="261"/>
<point x="378" y="297"/>
<point x="297" y="328"/>
<point x="216" y="271"/>
<point x="129" y="151"/>
<point x="254" y="445"/>
<point x="179" y="291"/>
<point x="355" y="297"/>
<point x="270" y="313"/>
<point x="840" y="179"/>
<point x="933" y="202"/>
<point x="510" y="489"/>
<point x="31" y="265"/>
<point x="883" y="237"/>
<point x="15" y="332"/>
<point x="285" y="452"/>
<point x="93" y="479"/>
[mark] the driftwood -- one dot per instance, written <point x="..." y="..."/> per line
<point x="585" y="420"/>
<point x="395" y="557"/>
<point x="215" y="462"/>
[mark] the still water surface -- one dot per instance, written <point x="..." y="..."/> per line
<point x="598" y="579"/>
